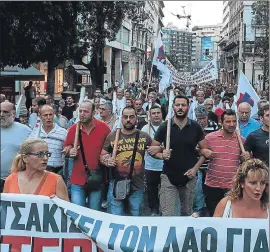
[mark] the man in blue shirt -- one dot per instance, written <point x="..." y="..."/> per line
<point x="246" y="124"/>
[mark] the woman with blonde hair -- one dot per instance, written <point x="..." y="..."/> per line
<point x="249" y="196"/>
<point x="29" y="175"/>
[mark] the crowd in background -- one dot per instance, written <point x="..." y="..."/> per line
<point x="203" y="173"/>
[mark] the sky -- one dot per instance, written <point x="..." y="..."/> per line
<point x="202" y="12"/>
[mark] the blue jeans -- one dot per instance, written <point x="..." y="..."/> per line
<point x="135" y="202"/>
<point x="199" y="201"/>
<point x="78" y="197"/>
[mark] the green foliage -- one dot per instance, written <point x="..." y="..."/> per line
<point x="33" y="32"/>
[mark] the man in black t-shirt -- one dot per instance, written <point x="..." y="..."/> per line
<point x="257" y="142"/>
<point x="181" y="164"/>
<point x="68" y="110"/>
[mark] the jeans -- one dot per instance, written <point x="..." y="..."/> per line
<point x="79" y="195"/>
<point x="153" y="183"/>
<point x="135" y="202"/>
<point x="199" y="201"/>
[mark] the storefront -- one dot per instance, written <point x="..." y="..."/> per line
<point x="10" y="76"/>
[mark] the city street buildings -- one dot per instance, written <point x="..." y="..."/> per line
<point x="178" y="44"/>
<point x="205" y="45"/>
<point x="239" y="33"/>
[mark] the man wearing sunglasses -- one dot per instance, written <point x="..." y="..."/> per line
<point x="12" y="136"/>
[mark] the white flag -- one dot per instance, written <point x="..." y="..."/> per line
<point x="246" y="93"/>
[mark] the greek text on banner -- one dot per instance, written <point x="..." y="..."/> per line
<point x="38" y="223"/>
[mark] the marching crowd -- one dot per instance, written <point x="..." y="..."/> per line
<point x="79" y="153"/>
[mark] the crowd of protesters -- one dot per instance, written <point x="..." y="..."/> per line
<point x="204" y="171"/>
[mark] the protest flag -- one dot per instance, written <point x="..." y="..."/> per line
<point x="246" y="93"/>
<point x="160" y="61"/>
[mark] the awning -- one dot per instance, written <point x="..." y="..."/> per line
<point x="21" y="74"/>
<point x="80" y="69"/>
<point x="82" y="72"/>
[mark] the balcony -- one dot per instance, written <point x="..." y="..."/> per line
<point x="137" y="46"/>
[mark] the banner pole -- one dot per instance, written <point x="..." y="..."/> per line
<point x="237" y="131"/>
<point x="168" y="136"/>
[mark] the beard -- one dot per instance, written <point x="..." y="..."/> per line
<point x="129" y="127"/>
<point x="6" y="122"/>
<point x="181" y="116"/>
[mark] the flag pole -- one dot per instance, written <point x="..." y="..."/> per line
<point x="169" y="120"/>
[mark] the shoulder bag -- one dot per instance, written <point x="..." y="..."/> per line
<point x="94" y="178"/>
<point x="121" y="187"/>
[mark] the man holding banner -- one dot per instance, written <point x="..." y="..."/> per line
<point x="178" y="178"/>
<point x="225" y="161"/>
<point x="129" y="156"/>
<point x="92" y="135"/>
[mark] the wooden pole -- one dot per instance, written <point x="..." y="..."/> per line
<point x="168" y="136"/>
<point x="116" y="140"/>
<point x="76" y="139"/>
<point x="150" y="79"/>
<point x="148" y="116"/>
<point x="117" y="135"/>
<point x="237" y="131"/>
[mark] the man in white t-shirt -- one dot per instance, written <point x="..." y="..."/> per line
<point x="153" y="167"/>
<point x="120" y="100"/>
<point x="12" y="136"/>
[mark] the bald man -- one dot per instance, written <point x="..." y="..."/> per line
<point x="246" y="124"/>
<point x="54" y="135"/>
<point x="12" y="136"/>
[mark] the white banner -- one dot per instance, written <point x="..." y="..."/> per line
<point x="206" y="74"/>
<point x="37" y="223"/>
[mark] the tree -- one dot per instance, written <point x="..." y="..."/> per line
<point x="33" y="32"/>
<point x="102" y="20"/>
<point x="260" y="10"/>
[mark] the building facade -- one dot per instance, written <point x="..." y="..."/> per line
<point x="205" y="45"/>
<point x="132" y="46"/>
<point x="178" y="45"/>
<point x="237" y="47"/>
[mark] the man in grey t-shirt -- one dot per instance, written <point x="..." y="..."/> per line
<point x="12" y="136"/>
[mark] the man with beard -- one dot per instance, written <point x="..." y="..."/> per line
<point x="12" y="136"/>
<point x="121" y="164"/>
<point x="225" y="161"/>
<point x="181" y="164"/>
<point x="93" y="133"/>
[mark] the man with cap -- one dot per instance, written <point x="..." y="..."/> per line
<point x="208" y="126"/>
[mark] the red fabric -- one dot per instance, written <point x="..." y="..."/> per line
<point x="219" y="112"/>
<point x="92" y="144"/>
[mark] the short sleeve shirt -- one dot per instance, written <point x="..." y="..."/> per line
<point x="124" y="155"/>
<point x="257" y="142"/>
<point x="183" y="143"/>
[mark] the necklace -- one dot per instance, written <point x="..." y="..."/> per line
<point x="109" y="120"/>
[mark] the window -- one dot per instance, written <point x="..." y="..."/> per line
<point x="125" y="37"/>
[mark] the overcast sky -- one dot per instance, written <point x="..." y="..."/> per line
<point x="202" y="12"/>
